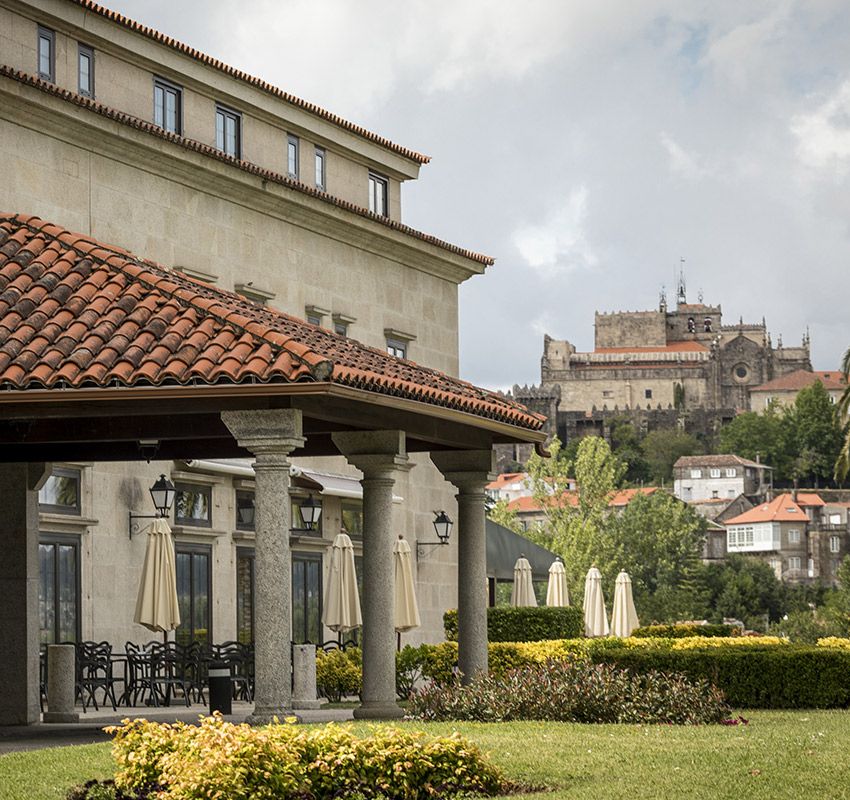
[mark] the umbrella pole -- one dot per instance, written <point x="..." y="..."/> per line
<point x="398" y="640"/>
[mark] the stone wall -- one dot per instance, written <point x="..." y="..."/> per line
<point x="630" y="329"/>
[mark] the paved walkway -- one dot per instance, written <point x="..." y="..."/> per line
<point x="91" y="724"/>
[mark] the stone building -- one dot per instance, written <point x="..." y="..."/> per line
<point x="783" y="391"/>
<point x="131" y="138"/>
<point x="679" y="366"/>
<point x="710" y="477"/>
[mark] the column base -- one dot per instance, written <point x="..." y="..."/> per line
<point x="60" y="717"/>
<point x="266" y="716"/>
<point x="378" y="711"/>
<point x="306" y="705"/>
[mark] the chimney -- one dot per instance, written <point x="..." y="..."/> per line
<point x="794" y="491"/>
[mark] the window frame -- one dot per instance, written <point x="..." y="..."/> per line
<point x="696" y="474"/>
<point x="394" y="344"/>
<point x="71" y="511"/>
<point x="320" y="172"/>
<point x="834" y="544"/>
<point x="795" y="560"/>
<point x="315" y="560"/>
<point x="169" y="86"/>
<point x="192" y="549"/>
<point x="228" y="113"/>
<point x="49" y="35"/>
<point x="200" y="488"/>
<point x="242" y="494"/>
<point x="376" y="179"/>
<point x="63" y="540"/>
<point x="714" y="472"/>
<point x="731" y="472"/>
<point x="340" y="328"/>
<point x="88" y="51"/>
<point x="794" y="536"/>
<point x="647" y="394"/>
<point x="293" y="144"/>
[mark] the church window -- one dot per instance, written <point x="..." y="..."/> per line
<point x="692" y="325"/>
<point x="607" y="393"/>
<point x="647" y="394"/>
<point x="707" y="325"/>
<point x="741" y="372"/>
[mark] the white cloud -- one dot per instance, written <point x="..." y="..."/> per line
<point x="558" y="244"/>
<point x="681" y="161"/>
<point x="824" y="134"/>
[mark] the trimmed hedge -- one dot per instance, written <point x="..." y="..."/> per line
<point x="751" y="677"/>
<point x="681" y="631"/>
<point x="524" y="624"/>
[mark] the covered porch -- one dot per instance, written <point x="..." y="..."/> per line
<point x="102" y="354"/>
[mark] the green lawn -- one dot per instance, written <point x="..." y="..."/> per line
<point x="778" y="755"/>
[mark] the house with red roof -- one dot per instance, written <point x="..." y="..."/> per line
<point x="783" y="391"/>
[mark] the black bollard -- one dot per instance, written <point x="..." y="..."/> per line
<point x="220" y="689"/>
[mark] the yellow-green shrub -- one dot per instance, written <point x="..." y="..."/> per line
<point x="835" y="642"/>
<point x="700" y="642"/>
<point x="339" y="673"/>
<point x="218" y="759"/>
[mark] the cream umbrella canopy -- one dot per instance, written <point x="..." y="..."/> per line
<point x="522" y="593"/>
<point x="406" y="607"/>
<point x="156" y="605"/>
<point x="556" y="592"/>
<point x="341" y="611"/>
<point x="595" y="616"/>
<point x="624" y="618"/>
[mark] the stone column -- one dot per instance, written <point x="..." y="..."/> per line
<point x="60" y="684"/>
<point x="470" y="471"/>
<point x="19" y="667"/>
<point x="271" y="435"/>
<point x="378" y="455"/>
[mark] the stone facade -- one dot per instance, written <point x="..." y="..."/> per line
<point x="292" y="247"/>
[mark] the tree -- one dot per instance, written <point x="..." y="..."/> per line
<point x="626" y="445"/>
<point x="814" y="428"/>
<point x="744" y="588"/>
<point x="753" y="436"/>
<point x="842" y="463"/>
<point x="662" y="448"/>
<point x="506" y="517"/>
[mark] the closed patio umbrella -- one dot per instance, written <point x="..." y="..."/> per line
<point x="522" y="593"/>
<point x="624" y="618"/>
<point x="595" y="617"/>
<point x="156" y="605"/>
<point x="406" y="607"/>
<point x="556" y="593"/>
<point x="342" y="602"/>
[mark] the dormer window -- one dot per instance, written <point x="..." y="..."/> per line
<point x="378" y="194"/>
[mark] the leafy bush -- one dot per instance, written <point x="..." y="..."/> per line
<point x="218" y="759"/>
<point x="753" y="676"/>
<point x="680" y="631"/>
<point x="524" y="624"/>
<point x="339" y="673"/>
<point x="576" y="691"/>
<point x="408" y="670"/>
<point x="835" y="642"/>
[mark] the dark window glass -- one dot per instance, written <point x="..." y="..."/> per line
<point x="352" y="519"/>
<point x="192" y="505"/>
<point x="648" y="394"/>
<point x="378" y="192"/>
<point x="306" y="598"/>
<point x="245" y="511"/>
<point x="245" y="595"/>
<point x="46" y="54"/>
<point x="167" y="106"/>
<point x="228" y="136"/>
<point x="85" y="70"/>
<point x="396" y="347"/>
<point x="61" y="492"/>
<point x="320" y="168"/>
<point x="193" y="593"/>
<point x="292" y="156"/>
<point x="59" y="590"/>
<point x="341" y="328"/>
<point x="313" y="319"/>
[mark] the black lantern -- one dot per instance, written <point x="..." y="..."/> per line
<point x="245" y="510"/>
<point x="162" y="494"/>
<point x="310" y="512"/>
<point x="443" y="526"/>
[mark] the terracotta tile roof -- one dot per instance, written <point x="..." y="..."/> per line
<point x="671" y="347"/>
<point x="506" y="479"/>
<point x="800" y="379"/>
<point x="807" y="499"/>
<point x="780" y="509"/>
<point x="620" y="498"/>
<point x="245" y="166"/>
<point x="727" y="460"/>
<point x="258" y="83"/>
<point x="77" y="313"/>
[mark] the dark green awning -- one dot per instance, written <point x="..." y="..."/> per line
<point x="504" y="547"/>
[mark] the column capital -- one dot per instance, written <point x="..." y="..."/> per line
<point x="377" y="454"/>
<point x="266" y="431"/>
<point x="469" y="470"/>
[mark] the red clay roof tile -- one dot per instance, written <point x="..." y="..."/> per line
<point x="115" y="319"/>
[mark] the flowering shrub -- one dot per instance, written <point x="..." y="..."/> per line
<point x="835" y="642"/>
<point x="573" y="691"/>
<point x="218" y="759"/>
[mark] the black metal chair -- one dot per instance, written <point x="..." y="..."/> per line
<point x="168" y="673"/>
<point x="94" y="671"/>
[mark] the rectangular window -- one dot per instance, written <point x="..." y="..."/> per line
<point x="61" y="492"/>
<point x="834" y="544"/>
<point x="314" y="319"/>
<point x="244" y="595"/>
<point x="794" y="563"/>
<point x="292" y="156"/>
<point x="715" y="494"/>
<point x="835" y="519"/>
<point x="352" y="519"/>
<point x="396" y="347"/>
<point x="731" y="472"/>
<point x="378" y="192"/>
<point x="306" y="598"/>
<point x="58" y="589"/>
<point x="167" y="106"/>
<point x="647" y="393"/>
<point x="320" y="168"/>
<point x="194" y="590"/>
<point x="776" y="566"/>
<point x="193" y="505"/>
<point x="46" y="54"/>
<point x="696" y="473"/>
<point x="341" y="328"/>
<point x="793" y="536"/>
<point x="244" y="511"/>
<point x="228" y="134"/>
<point x="715" y="473"/>
<point x="85" y="70"/>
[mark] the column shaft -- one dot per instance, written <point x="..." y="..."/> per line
<point x="472" y="583"/>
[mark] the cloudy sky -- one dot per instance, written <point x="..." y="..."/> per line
<point x="588" y="146"/>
